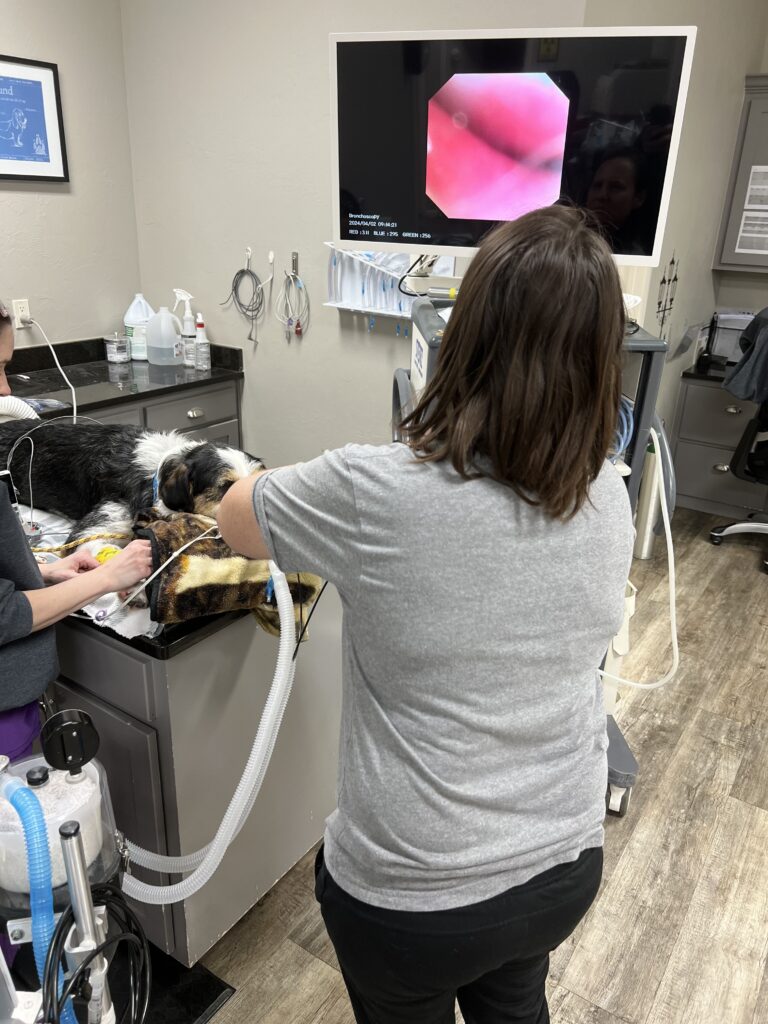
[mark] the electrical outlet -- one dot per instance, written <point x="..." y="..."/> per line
<point x="20" y="313"/>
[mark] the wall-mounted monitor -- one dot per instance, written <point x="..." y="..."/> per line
<point x="438" y="136"/>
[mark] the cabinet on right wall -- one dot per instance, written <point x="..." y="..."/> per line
<point x="743" y="240"/>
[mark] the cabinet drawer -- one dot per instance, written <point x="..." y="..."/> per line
<point x="123" y="414"/>
<point x="697" y="476"/>
<point x="714" y="416"/>
<point x="226" y="433"/>
<point x="198" y="408"/>
<point x="111" y="673"/>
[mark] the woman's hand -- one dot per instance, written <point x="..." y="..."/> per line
<point x="51" y="604"/>
<point x="66" y="568"/>
<point x="133" y="564"/>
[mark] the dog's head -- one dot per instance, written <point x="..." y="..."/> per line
<point x="197" y="478"/>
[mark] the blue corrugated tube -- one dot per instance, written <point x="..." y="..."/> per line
<point x="28" y="808"/>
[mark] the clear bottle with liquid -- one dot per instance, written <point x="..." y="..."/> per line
<point x="135" y="322"/>
<point x="164" y="344"/>
<point x="202" y="345"/>
<point x="118" y="348"/>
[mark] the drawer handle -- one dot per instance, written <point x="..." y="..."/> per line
<point x="195" y="414"/>
<point x="733" y="410"/>
<point x="720" y="467"/>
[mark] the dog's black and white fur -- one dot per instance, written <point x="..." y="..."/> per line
<point x="102" y="476"/>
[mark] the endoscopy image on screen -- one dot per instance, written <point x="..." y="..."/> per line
<point x="495" y="145"/>
<point x="440" y="139"/>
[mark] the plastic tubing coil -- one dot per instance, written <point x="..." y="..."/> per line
<point x="204" y="863"/>
<point x="28" y="808"/>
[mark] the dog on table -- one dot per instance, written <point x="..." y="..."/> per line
<point x="103" y="476"/>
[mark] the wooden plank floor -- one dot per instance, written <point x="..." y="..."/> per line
<point x="679" y="932"/>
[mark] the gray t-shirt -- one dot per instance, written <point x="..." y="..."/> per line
<point x="473" y="738"/>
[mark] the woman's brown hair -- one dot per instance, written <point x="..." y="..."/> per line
<point x="527" y="385"/>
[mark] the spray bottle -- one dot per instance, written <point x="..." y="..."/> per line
<point x="187" y="326"/>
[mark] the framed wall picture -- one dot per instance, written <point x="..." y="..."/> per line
<point x="31" y="127"/>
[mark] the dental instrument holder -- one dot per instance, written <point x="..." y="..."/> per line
<point x="428" y="331"/>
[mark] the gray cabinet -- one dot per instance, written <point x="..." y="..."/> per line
<point x="209" y="413"/>
<point x="132" y="415"/>
<point x="226" y="433"/>
<point x="176" y="734"/>
<point x="129" y="753"/>
<point x="708" y="425"/>
<point x="121" y="689"/>
<point x="743" y="243"/>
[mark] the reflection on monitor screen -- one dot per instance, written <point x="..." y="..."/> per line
<point x="439" y="139"/>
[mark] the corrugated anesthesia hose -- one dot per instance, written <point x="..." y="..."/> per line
<point x="204" y="862"/>
<point x="28" y="808"/>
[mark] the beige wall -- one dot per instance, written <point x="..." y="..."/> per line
<point x="229" y="118"/>
<point x="229" y="115"/>
<point x="730" y="44"/>
<point x="71" y="248"/>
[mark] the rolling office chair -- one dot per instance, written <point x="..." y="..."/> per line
<point x="749" y="380"/>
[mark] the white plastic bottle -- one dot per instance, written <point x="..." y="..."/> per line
<point x="188" y="332"/>
<point x="135" y="320"/>
<point x="164" y="344"/>
<point x="202" y="346"/>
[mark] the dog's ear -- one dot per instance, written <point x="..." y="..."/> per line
<point x="176" y="488"/>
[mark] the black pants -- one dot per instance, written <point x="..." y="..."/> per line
<point x="401" y="967"/>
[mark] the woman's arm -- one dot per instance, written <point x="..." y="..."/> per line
<point x="65" y="568"/>
<point x="55" y="602"/>
<point x="237" y="519"/>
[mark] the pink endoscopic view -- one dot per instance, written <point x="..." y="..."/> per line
<point x="495" y="145"/>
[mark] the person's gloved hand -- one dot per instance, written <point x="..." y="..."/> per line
<point x="66" y="568"/>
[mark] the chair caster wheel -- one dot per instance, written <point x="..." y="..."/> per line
<point x="715" y="538"/>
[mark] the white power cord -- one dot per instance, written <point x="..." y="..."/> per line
<point x="28" y="320"/>
<point x="669" y="675"/>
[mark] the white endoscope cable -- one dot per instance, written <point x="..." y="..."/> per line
<point x="102" y="616"/>
<point x="670" y="674"/>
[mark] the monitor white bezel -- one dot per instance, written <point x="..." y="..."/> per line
<point x="688" y="32"/>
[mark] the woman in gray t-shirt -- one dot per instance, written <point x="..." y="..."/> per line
<point x="481" y="568"/>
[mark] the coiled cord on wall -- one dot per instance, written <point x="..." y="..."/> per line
<point x="253" y="307"/>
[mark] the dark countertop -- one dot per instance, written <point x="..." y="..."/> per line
<point x="174" y="639"/>
<point x="33" y="374"/>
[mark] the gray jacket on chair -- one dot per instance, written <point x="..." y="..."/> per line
<point x="748" y="379"/>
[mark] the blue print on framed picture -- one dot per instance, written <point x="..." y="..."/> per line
<point x="31" y="125"/>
